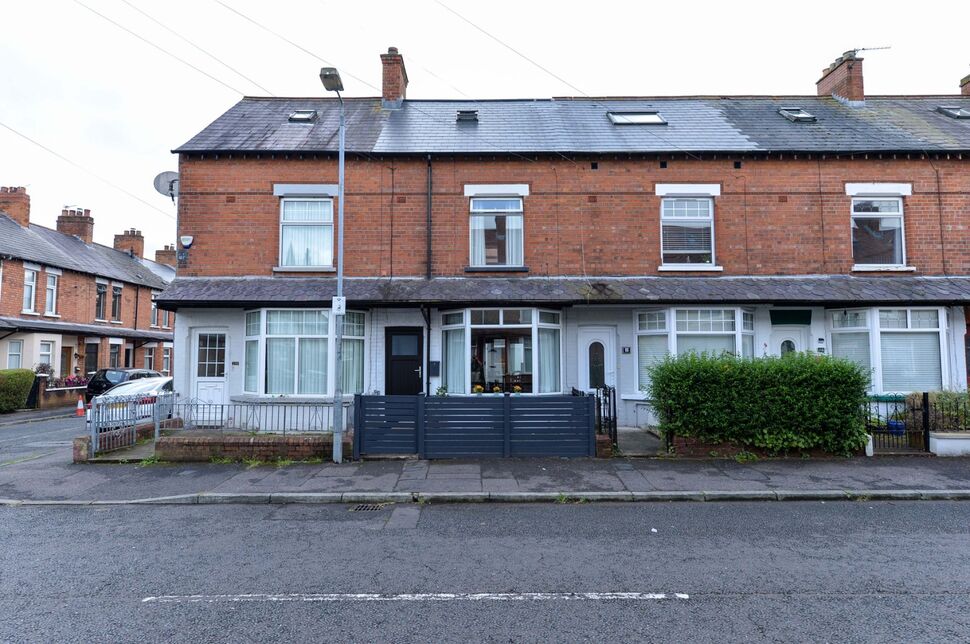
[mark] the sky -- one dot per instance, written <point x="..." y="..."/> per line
<point x="115" y="103"/>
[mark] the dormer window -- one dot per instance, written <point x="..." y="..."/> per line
<point x="954" y="111"/>
<point x="303" y="116"/>
<point x="636" y="118"/>
<point x="796" y="115"/>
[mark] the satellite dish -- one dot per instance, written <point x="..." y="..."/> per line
<point x="166" y="183"/>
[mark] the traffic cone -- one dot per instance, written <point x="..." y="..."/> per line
<point x="80" y="406"/>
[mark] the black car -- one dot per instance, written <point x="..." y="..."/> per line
<point x="105" y="379"/>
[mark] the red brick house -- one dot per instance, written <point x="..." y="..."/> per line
<point x="74" y="304"/>
<point x="548" y="244"/>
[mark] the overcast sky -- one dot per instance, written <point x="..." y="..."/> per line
<point x="116" y="106"/>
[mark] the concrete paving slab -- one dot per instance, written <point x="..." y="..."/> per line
<point x="500" y="485"/>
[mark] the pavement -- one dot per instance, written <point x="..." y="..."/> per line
<point x="635" y="572"/>
<point x="22" y="416"/>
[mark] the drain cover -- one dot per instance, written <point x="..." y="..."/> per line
<point x="368" y="507"/>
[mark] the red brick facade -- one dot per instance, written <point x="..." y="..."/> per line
<point x="775" y="215"/>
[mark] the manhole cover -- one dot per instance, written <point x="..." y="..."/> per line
<point x="367" y="507"/>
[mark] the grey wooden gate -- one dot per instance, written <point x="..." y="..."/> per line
<point x="475" y="426"/>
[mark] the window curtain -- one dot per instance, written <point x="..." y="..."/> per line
<point x="453" y="360"/>
<point x="307" y="245"/>
<point x="477" y="225"/>
<point x="549" y="361"/>
<point x="852" y="346"/>
<point x="911" y="362"/>
<point x="710" y="344"/>
<point x="280" y="365"/>
<point x="650" y="350"/>
<point x="513" y="241"/>
<point x="252" y="366"/>
<point x="353" y="367"/>
<point x="313" y="366"/>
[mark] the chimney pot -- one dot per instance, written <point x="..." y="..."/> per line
<point x="16" y="203"/>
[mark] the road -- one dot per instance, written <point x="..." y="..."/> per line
<point x="26" y="441"/>
<point x="840" y="571"/>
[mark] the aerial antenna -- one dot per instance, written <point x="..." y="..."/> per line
<point x="166" y="183"/>
<point x="858" y="49"/>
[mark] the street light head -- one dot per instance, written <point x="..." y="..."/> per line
<point x="330" y="78"/>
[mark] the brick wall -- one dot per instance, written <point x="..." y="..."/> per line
<point x="774" y="216"/>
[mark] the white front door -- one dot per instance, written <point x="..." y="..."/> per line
<point x="786" y="339"/>
<point x="597" y="357"/>
<point x="209" y="370"/>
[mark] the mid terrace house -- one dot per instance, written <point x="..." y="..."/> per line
<point x="542" y="245"/>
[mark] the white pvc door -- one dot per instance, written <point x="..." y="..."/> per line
<point x="597" y="357"/>
<point x="209" y="374"/>
<point x="788" y="339"/>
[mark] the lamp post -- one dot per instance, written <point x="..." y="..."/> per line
<point x="330" y="78"/>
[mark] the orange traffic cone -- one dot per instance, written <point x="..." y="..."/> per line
<point x="80" y="406"/>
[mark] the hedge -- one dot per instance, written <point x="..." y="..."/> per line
<point x="793" y="403"/>
<point x="15" y="386"/>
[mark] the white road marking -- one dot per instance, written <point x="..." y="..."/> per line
<point x="409" y="597"/>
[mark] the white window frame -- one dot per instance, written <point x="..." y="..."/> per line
<point x="117" y="289"/>
<point x="166" y="319"/>
<point x="30" y="280"/>
<point x="153" y="321"/>
<point x="166" y="360"/>
<point x="875" y="332"/>
<point x="104" y="304"/>
<point x="485" y="212"/>
<point x="319" y="223"/>
<point x="148" y="358"/>
<point x="534" y="325"/>
<point x="50" y="294"/>
<point x="712" y="265"/>
<point x="50" y="353"/>
<point x="853" y="215"/>
<point x="19" y="344"/>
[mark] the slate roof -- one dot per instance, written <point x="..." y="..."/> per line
<point x="818" y="289"/>
<point x="88" y="330"/>
<point x="580" y="125"/>
<point x="51" y="248"/>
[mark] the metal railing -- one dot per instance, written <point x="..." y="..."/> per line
<point x="112" y="421"/>
<point x="264" y="417"/>
<point x="606" y="413"/>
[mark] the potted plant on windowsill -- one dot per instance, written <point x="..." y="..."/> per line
<point x="496" y="389"/>
<point x="478" y="389"/>
<point x="516" y="389"/>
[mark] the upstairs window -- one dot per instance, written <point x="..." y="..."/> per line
<point x="116" y="303"/>
<point x="306" y="233"/>
<point x="877" y="232"/>
<point x="496" y="232"/>
<point x="50" y="296"/>
<point x="154" y="318"/>
<point x="30" y="288"/>
<point x="687" y="231"/>
<point x="100" y="301"/>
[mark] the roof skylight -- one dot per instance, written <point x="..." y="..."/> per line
<point x="303" y="116"/>
<point x="636" y="118"/>
<point x="954" y="111"/>
<point x="796" y="115"/>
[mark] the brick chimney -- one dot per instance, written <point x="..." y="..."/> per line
<point x="965" y="85"/>
<point x="843" y="80"/>
<point x="16" y="203"/>
<point x="166" y="255"/>
<point x="131" y="242"/>
<point x="395" y="79"/>
<point x="77" y="222"/>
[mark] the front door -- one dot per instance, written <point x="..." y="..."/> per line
<point x="787" y="339"/>
<point x="209" y="374"/>
<point x="67" y="361"/>
<point x="403" y="356"/>
<point x="597" y="357"/>
<point x="91" y="358"/>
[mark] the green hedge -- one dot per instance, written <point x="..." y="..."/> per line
<point x="798" y="402"/>
<point x="15" y="386"/>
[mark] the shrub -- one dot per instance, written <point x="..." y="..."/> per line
<point x="798" y="402"/>
<point x="14" y="387"/>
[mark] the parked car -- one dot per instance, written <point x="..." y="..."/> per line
<point x="133" y="402"/>
<point x="105" y="379"/>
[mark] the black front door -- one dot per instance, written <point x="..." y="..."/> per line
<point x="403" y="355"/>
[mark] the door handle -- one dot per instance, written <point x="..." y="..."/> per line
<point x="418" y="371"/>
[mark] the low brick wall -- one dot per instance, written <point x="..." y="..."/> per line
<point x="604" y="446"/>
<point x="59" y="397"/>
<point x="82" y="444"/>
<point x="198" y="448"/>
<point x="694" y="448"/>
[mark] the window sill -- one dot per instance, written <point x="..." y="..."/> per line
<point x="115" y="321"/>
<point x="304" y="269"/>
<point x="636" y="397"/>
<point x="51" y="315"/>
<point x="690" y="268"/>
<point x="496" y="269"/>
<point x="863" y="268"/>
<point x="291" y="399"/>
<point x="29" y="313"/>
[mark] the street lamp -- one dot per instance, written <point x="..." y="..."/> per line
<point x="330" y="78"/>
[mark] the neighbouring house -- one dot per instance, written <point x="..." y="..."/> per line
<point x="76" y="305"/>
<point x="548" y="244"/>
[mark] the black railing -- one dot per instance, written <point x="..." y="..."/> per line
<point x="606" y="412"/>
<point x="899" y="423"/>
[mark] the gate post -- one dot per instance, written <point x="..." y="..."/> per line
<point x="419" y="424"/>
<point x="591" y="414"/>
<point x="358" y="423"/>
<point x="92" y="427"/>
<point x="506" y="425"/>
<point x="926" y="421"/>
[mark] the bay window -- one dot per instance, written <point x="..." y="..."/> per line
<point x="496" y="232"/>
<point x="512" y="350"/>
<point x="306" y="233"/>
<point x="877" y="232"/>
<point x="289" y="352"/>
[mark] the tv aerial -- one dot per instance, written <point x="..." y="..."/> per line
<point x="166" y="183"/>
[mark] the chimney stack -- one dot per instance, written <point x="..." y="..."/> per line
<point x="78" y="222"/>
<point x="965" y="85"/>
<point x="842" y="80"/>
<point x="166" y="255"/>
<point x="395" y="79"/>
<point x="131" y="242"/>
<point x="16" y="203"/>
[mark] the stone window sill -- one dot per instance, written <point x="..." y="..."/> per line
<point x="496" y="269"/>
<point x="688" y="268"/>
<point x="29" y="313"/>
<point x="862" y="268"/>
<point x="304" y="269"/>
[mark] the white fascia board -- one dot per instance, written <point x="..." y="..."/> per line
<point x="496" y="190"/>
<point x="879" y="189"/>
<point x="688" y="189"/>
<point x="304" y="190"/>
